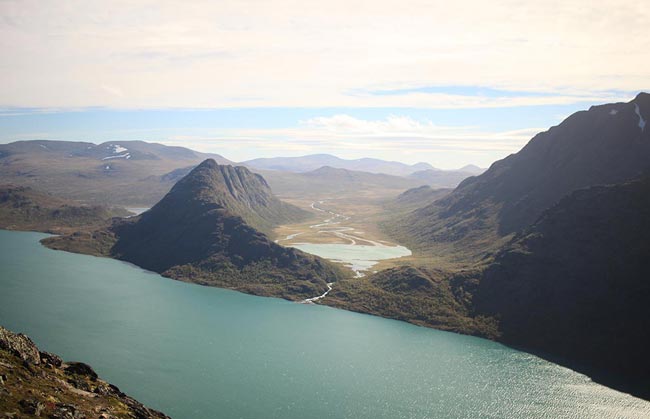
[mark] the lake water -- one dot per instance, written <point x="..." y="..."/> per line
<point x="359" y="258"/>
<point x="199" y="352"/>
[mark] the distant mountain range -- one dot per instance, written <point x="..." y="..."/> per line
<point x="315" y="161"/>
<point x="202" y="232"/>
<point x="139" y="174"/>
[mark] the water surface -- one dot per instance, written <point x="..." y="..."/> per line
<point x="199" y="352"/>
<point x="358" y="257"/>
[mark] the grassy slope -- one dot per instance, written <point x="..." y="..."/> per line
<point x="426" y="297"/>
<point x="23" y="208"/>
<point x="75" y="170"/>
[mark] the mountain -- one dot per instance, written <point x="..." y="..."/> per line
<point x="471" y="168"/>
<point x="127" y="173"/>
<point x="417" y="198"/>
<point x="441" y="178"/>
<point x="242" y="192"/>
<point x="606" y="144"/>
<point x="34" y="383"/>
<point x="23" y="208"/>
<point x="201" y="232"/>
<point x="335" y="182"/>
<point x="576" y="284"/>
<point x="315" y="161"/>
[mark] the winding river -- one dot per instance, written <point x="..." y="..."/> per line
<point x="358" y="257"/>
<point x="199" y="352"/>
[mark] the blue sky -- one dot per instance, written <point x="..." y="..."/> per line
<point x="446" y="83"/>
<point x="245" y="133"/>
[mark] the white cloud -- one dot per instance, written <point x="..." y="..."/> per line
<point x="394" y="138"/>
<point x="236" y="53"/>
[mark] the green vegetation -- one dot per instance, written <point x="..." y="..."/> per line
<point x="425" y="297"/>
<point x="23" y="208"/>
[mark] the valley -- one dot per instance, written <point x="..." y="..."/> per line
<point x="335" y="239"/>
<point x="475" y="259"/>
<point x="324" y="210"/>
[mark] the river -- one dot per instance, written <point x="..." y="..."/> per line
<point x="356" y="256"/>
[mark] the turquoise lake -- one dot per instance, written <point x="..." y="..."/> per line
<point x="199" y="352"/>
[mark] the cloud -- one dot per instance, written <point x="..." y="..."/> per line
<point x="396" y="137"/>
<point x="246" y="53"/>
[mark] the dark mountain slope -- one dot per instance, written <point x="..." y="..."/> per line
<point x="604" y="145"/>
<point x="198" y="233"/>
<point x="576" y="284"/>
<point x="573" y="287"/>
<point x="239" y="191"/>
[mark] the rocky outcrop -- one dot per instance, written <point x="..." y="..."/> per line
<point x="39" y="384"/>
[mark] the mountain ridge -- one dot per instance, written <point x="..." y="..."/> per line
<point x="603" y="145"/>
<point x="314" y="161"/>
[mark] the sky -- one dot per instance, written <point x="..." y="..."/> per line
<point x="448" y="83"/>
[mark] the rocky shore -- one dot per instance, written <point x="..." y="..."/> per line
<point x="34" y="383"/>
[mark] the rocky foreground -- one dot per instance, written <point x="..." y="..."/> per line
<point x="39" y="384"/>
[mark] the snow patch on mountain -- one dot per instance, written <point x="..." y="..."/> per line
<point x="120" y="156"/>
<point x="641" y="120"/>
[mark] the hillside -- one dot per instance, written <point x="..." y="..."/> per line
<point x="441" y="178"/>
<point x="415" y="198"/>
<point x="604" y="145"/>
<point x="34" y="383"/>
<point x="199" y="233"/>
<point x="423" y="296"/>
<point x="316" y="161"/>
<point x="577" y="282"/>
<point x="23" y="208"/>
<point x="126" y="173"/>
<point x="333" y="182"/>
